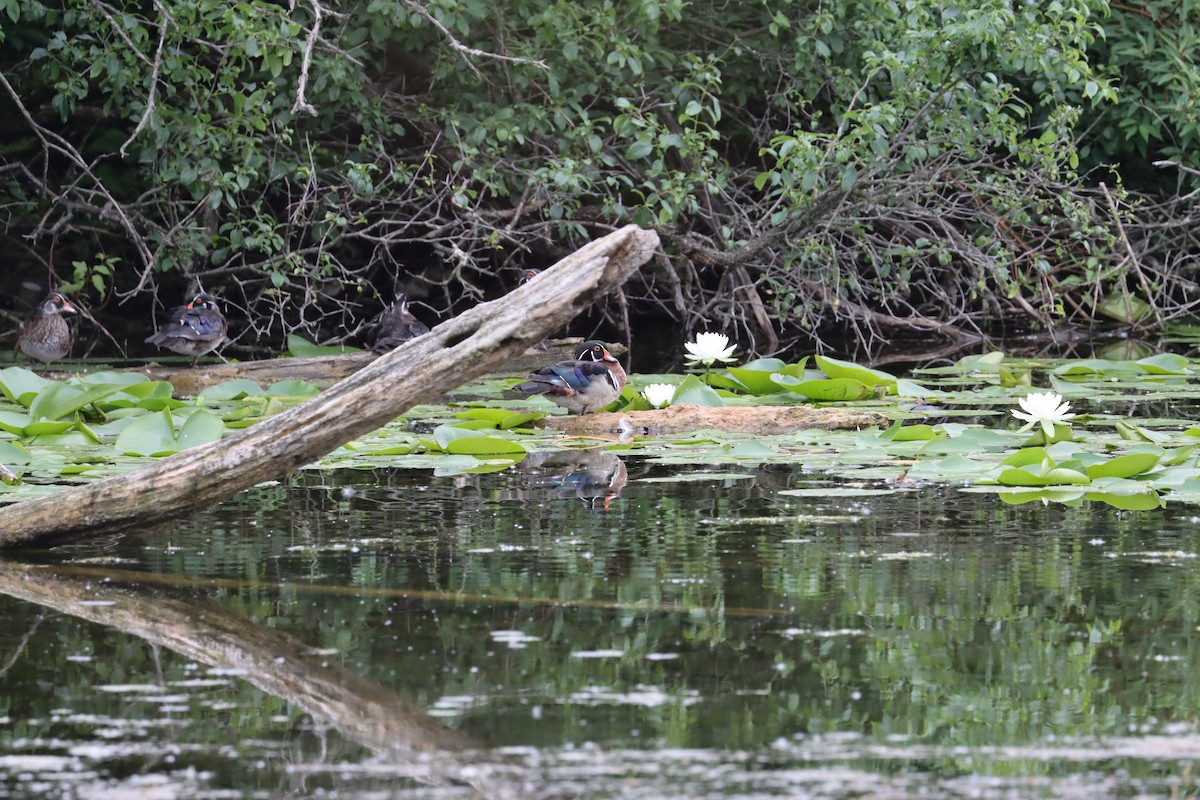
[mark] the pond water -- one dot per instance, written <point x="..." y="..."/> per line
<point x="607" y="629"/>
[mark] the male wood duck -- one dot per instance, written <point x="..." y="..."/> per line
<point x="589" y="382"/>
<point x="44" y="335"/>
<point x="192" y="329"/>
<point x="395" y="326"/>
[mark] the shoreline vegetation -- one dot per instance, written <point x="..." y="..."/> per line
<point x="862" y="173"/>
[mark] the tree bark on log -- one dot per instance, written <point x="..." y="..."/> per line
<point x="451" y="354"/>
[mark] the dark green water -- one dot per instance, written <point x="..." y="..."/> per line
<point x="696" y="638"/>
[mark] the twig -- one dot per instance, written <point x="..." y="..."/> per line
<point x="52" y="141"/>
<point x="302" y="103"/>
<point x="416" y="8"/>
<point x="151" y="97"/>
<point x="1133" y="259"/>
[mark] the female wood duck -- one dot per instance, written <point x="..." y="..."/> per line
<point x="193" y="329"/>
<point x="44" y="335"/>
<point x="395" y="326"/>
<point x="589" y="382"/>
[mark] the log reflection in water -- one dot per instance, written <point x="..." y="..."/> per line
<point x="200" y="629"/>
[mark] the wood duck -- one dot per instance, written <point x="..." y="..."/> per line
<point x="44" y="335"/>
<point x="395" y="326"/>
<point x="193" y="329"/>
<point x="589" y="382"/>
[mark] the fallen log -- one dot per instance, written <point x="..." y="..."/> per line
<point x="453" y="353"/>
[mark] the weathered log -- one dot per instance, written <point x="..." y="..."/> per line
<point x="200" y="629"/>
<point x="454" y="352"/>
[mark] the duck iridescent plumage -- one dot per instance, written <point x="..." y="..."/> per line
<point x="592" y="380"/>
<point x="193" y="329"/>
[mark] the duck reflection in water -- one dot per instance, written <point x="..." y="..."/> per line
<point x="594" y="476"/>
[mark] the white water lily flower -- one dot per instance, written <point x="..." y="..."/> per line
<point x="659" y="394"/>
<point x="709" y="347"/>
<point x="1043" y="408"/>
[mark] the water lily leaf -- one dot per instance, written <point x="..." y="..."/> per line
<point x="476" y="424"/>
<point x="15" y="422"/>
<point x="49" y="427"/>
<point x="1144" y="501"/>
<point x="460" y="464"/>
<point x="149" y="435"/>
<point x="61" y="399"/>
<point x="694" y="392"/>
<point x="1136" y="433"/>
<point x="906" y="388"/>
<point x="1164" y="364"/>
<point x="486" y="446"/>
<point x="827" y="390"/>
<point x="835" y="368"/>
<point x="20" y="385"/>
<point x="724" y="383"/>
<point x="291" y="388"/>
<point x="231" y="390"/>
<point x="951" y="468"/>
<point x="1096" y="366"/>
<point x="756" y="375"/>
<point x="1054" y="476"/>
<point x="1066" y="496"/>
<point x="14" y="453"/>
<point x="1015" y="378"/>
<point x="201" y="427"/>
<point x="1026" y="456"/>
<point x="911" y="433"/>
<point x="300" y="347"/>
<point x="988" y="362"/>
<point x="1125" y="466"/>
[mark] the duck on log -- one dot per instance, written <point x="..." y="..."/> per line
<point x="456" y="351"/>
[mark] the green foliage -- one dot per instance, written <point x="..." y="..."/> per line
<point x="918" y="159"/>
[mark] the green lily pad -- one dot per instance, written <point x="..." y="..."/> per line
<point x="695" y="392"/>
<point x="300" y="347"/>
<point x="825" y="390"/>
<point x="1125" y="466"/>
<point x="864" y="375"/>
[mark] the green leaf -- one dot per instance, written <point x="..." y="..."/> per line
<point x="232" y="390"/>
<point x="150" y="435"/>
<point x="864" y="375"/>
<point x="826" y="390"/>
<point x="486" y="446"/>
<point x="300" y="347"/>
<point x="61" y="399"/>
<point x="1055" y="476"/>
<point x="1125" y="466"/>
<point x="756" y="375"/>
<point x="1164" y="364"/>
<point x="22" y="386"/>
<point x="291" y="388"/>
<point x="201" y="427"/>
<point x="695" y="392"/>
